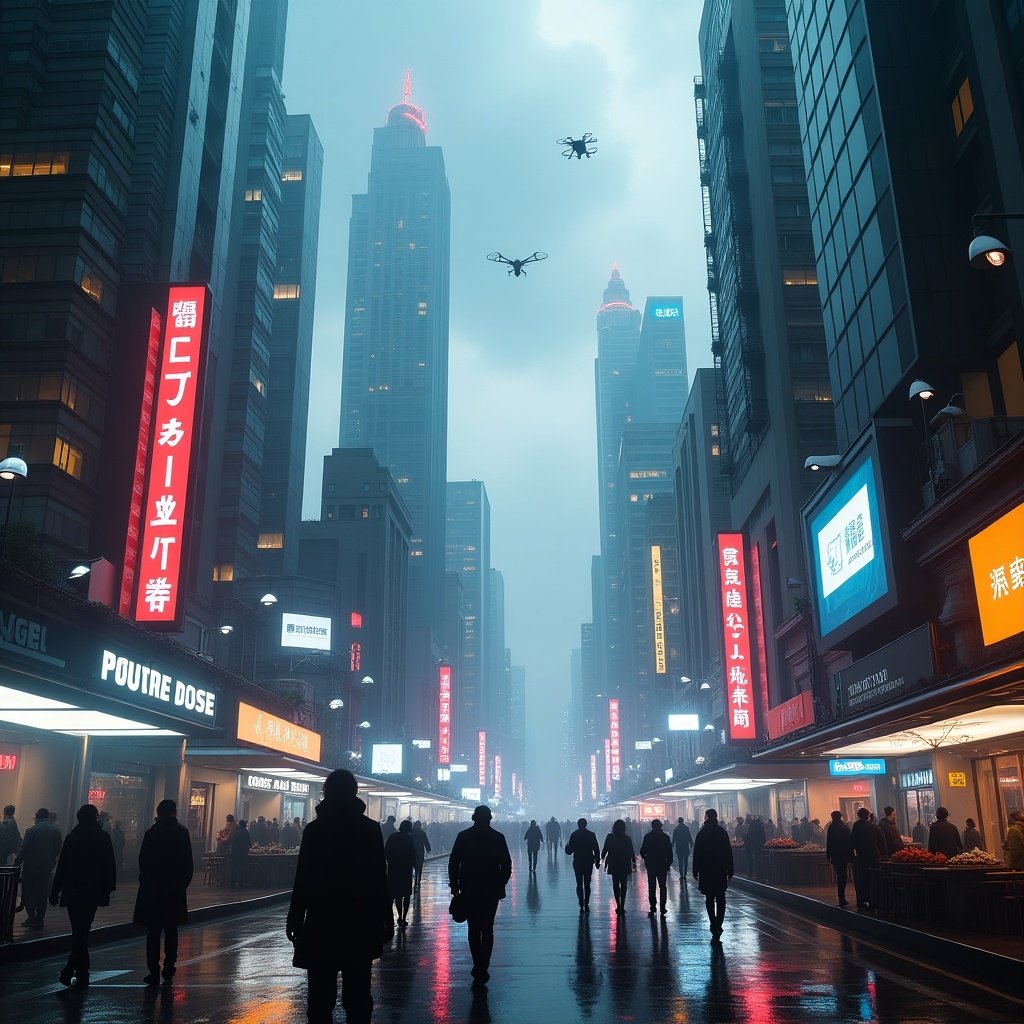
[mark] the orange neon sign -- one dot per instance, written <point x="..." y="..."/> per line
<point x="275" y="733"/>
<point x="997" y="560"/>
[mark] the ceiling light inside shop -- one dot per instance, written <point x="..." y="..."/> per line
<point x="141" y="731"/>
<point x="387" y="792"/>
<point x="77" y="722"/>
<point x="682" y="792"/>
<point x="725" y="785"/>
<point x="18" y="700"/>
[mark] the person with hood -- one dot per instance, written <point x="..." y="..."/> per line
<point x="400" y="853"/>
<point x="10" y="835"/>
<point x="619" y="861"/>
<point x="533" y="839"/>
<point x="839" y="852"/>
<point x="40" y="847"/>
<point x="554" y="834"/>
<point x="241" y="844"/>
<point x="656" y="851"/>
<point x="479" y="868"/>
<point x="165" y="873"/>
<point x="340" y="912"/>
<point x="682" y="843"/>
<point x="869" y="850"/>
<point x="712" y="868"/>
<point x="422" y="842"/>
<point x="891" y="837"/>
<point x="86" y="875"/>
<point x="586" y="855"/>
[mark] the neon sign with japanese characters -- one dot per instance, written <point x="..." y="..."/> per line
<point x="497" y="776"/>
<point x="593" y="776"/>
<point x="162" y="562"/>
<point x="444" y="714"/>
<point x="614" y="738"/>
<point x="737" y="663"/>
<point x="660" y="661"/>
<point x="481" y="758"/>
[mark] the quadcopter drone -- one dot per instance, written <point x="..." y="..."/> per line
<point x="579" y="148"/>
<point x="517" y="267"/>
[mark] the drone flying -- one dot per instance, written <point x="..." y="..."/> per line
<point x="517" y="267"/>
<point x="579" y="148"/>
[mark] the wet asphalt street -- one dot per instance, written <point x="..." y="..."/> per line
<point x="549" y="965"/>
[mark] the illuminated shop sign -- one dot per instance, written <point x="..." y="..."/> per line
<point x="916" y="780"/>
<point x="265" y="729"/>
<point x="165" y="510"/>
<point x="593" y="776"/>
<point x="497" y="776"/>
<point x="997" y="561"/>
<point x="471" y="793"/>
<point x="683" y="723"/>
<point x="386" y="759"/>
<point x="8" y="762"/>
<point x="643" y="745"/>
<point x="444" y="714"/>
<point x="652" y="810"/>
<point x="481" y="758"/>
<point x="660" y="664"/>
<point x="24" y="636"/>
<point x="147" y="684"/>
<point x="905" y="665"/>
<point x="790" y="715"/>
<point x="271" y="784"/>
<point x="607" y="766"/>
<point x="308" y="632"/>
<point x="668" y="312"/>
<point x="738" y="668"/>
<point x="97" y="796"/>
<point x="513" y="785"/>
<point x="856" y="766"/>
<point x="615" y="748"/>
<point x="579" y="789"/>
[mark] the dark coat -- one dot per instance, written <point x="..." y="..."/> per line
<point x="260" y="833"/>
<point x="86" y="873"/>
<point x="10" y="839"/>
<point x="241" y="844"/>
<point x="944" y="837"/>
<point x="165" y="871"/>
<point x="890" y="836"/>
<point x="40" y="848"/>
<point x="554" y="831"/>
<point x="290" y="836"/>
<point x="656" y="850"/>
<point x="618" y="855"/>
<point x="479" y="865"/>
<point x="421" y="842"/>
<point x="868" y="844"/>
<point x="682" y="840"/>
<point x="838" y="843"/>
<point x="755" y="837"/>
<point x="583" y="848"/>
<point x="534" y="838"/>
<point x="400" y="853"/>
<point x="973" y="840"/>
<point x="712" y="859"/>
<point x="340" y="908"/>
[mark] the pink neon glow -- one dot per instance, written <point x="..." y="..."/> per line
<point x="408" y="85"/>
<point x="615" y="304"/>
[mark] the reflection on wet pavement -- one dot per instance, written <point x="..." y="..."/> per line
<point x="550" y="964"/>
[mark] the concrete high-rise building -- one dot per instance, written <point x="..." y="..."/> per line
<point x="394" y="396"/>
<point x="496" y="697"/>
<point x="659" y="377"/>
<point x="468" y="553"/>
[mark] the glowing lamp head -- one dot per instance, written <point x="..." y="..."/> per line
<point x="268" y="600"/>
<point x="921" y="389"/>
<point x="987" y="251"/>
<point x="13" y="467"/>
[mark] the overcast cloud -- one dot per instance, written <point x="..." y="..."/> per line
<point x="499" y="83"/>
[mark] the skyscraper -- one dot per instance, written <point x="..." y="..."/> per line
<point x="394" y="396"/>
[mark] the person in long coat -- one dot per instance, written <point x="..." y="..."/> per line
<point x="682" y="844"/>
<point x="400" y="853"/>
<point x="40" y="848"/>
<point x="753" y="846"/>
<point x="238" y="858"/>
<point x="656" y="850"/>
<point x="422" y="843"/>
<point x="972" y="837"/>
<point x="619" y="861"/>
<point x="479" y="868"/>
<point x="534" y="838"/>
<point x="86" y="875"/>
<point x="869" y="850"/>
<point x="839" y="853"/>
<point x="586" y="855"/>
<point x="713" y="867"/>
<point x="165" y="872"/>
<point x="943" y="835"/>
<point x="340" y="912"/>
<point x="890" y="830"/>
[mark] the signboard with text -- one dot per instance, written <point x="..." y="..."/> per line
<point x="305" y="632"/>
<point x="265" y="729"/>
<point x="614" y="739"/>
<point x="740" y="716"/>
<point x="843" y="767"/>
<point x="997" y="561"/>
<point x="593" y="776"/>
<point x="444" y="714"/>
<point x="891" y="672"/>
<point x="652" y="810"/>
<point x="481" y="758"/>
<point x="386" y="759"/>
<point x="660" y="661"/>
<point x="790" y="715"/>
<point x="497" y="776"/>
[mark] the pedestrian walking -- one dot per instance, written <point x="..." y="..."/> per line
<point x="40" y="847"/>
<point x="682" y="843"/>
<point x="891" y="837"/>
<point x="553" y="832"/>
<point x="1014" y="845"/>
<point x="656" y="851"/>
<point x="340" y="912"/>
<point x="165" y="873"/>
<point x="533" y="839"/>
<point x="619" y="861"/>
<point x="479" y="868"/>
<point x="839" y="852"/>
<point x="713" y="867"/>
<point x="273" y="831"/>
<point x="422" y="843"/>
<point x="943" y="835"/>
<point x="387" y="828"/>
<point x="85" y="877"/>
<point x="400" y="853"/>
<point x="241" y="844"/>
<point x="972" y="837"/>
<point x="10" y="835"/>
<point x="753" y="845"/>
<point x="586" y="855"/>
<point x="869" y="850"/>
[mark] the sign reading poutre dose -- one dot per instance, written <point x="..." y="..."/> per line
<point x="309" y="632"/>
<point x="161" y="561"/>
<point x="740" y="720"/>
<point x="150" y="685"/>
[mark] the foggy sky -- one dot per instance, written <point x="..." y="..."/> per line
<point x="499" y="84"/>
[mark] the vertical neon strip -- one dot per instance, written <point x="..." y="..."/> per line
<point x="444" y="714"/>
<point x="613" y="735"/>
<point x="660" y="661"/>
<point x="497" y="776"/>
<point x="739" y="694"/>
<point x="607" y="766"/>
<point x="481" y="758"/>
<point x="593" y="776"/>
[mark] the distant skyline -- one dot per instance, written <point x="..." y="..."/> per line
<point x="499" y="86"/>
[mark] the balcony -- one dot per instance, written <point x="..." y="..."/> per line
<point x="959" y="445"/>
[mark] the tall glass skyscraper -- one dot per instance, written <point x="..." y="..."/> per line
<point x="394" y="396"/>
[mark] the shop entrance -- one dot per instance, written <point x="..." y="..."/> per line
<point x="850" y="805"/>
<point x="126" y="794"/>
<point x="920" y="807"/>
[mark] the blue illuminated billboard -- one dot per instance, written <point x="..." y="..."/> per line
<point x="849" y="549"/>
<point x="856" y="766"/>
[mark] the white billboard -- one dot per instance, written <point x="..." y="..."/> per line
<point x="308" y="632"/>
<point x="683" y="723"/>
<point x="471" y="793"/>
<point x="386" y="759"/>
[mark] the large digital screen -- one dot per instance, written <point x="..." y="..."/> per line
<point x="386" y="759"/>
<point x="308" y="632"/>
<point x="848" y="551"/>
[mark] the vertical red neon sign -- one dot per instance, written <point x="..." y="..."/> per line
<point x="758" y="602"/>
<point x="481" y="758"/>
<point x="131" y="544"/>
<point x="165" y="511"/>
<point x="593" y="776"/>
<point x="739" y="693"/>
<point x="613" y="735"/>
<point x="444" y="714"/>
<point x="607" y="766"/>
<point x="497" y="776"/>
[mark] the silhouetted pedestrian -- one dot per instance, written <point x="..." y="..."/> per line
<point x="241" y="843"/>
<point x="753" y="845"/>
<point x="273" y="831"/>
<point x="290" y="836"/>
<point x="891" y="838"/>
<point x="422" y="842"/>
<point x="84" y="879"/>
<point x="682" y="843"/>
<point x="165" y="872"/>
<point x="919" y="833"/>
<point x="868" y="849"/>
<point x="533" y="839"/>
<point x="340" y="913"/>
<point x="656" y="850"/>
<point x="387" y="828"/>
<point x="586" y="855"/>
<point x="117" y="840"/>
<point x="839" y="853"/>
<point x="972" y="837"/>
<point x="713" y="867"/>
<point x="619" y="861"/>
<point x="1014" y="844"/>
<point x="40" y="847"/>
<point x="479" y="868"/>
<point x="259" y="832"/>
<point x="400" y="853"/>
<point x="554" y="833"/>
<point x="943" y="835"/>
<point x="10" y="835"/>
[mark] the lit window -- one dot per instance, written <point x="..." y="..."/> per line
<point x="292" y="174"/>
<point x="286" y="291"/>
<point x="365" y="512"/>
<point x="714" y="430"/>
<point x="223" y="573"/>
<point x="962" y="106"/>
<point x="253" y="195"/>
<point x="270" y="541"/>
<point x="33" y="163"/>
<point x="258" y="384"/>
<point x="799" y="276"/>
<point x="422" y="309"/>
<point x="67" y="457"/>
<point x="716" y="450"/>
<point x="91" y="283"/>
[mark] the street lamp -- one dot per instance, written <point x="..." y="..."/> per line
<point x="815" y="463"/>
<point x="12" y="468"/>
<point x="205" y="633"/>
<point x="987" y="250"/>
<point x="336" y="704"/>
<point x="363" y="725"/>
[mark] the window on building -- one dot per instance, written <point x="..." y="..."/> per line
<point x="253" y="195"/>
<point x="224" y="572"/>
<point x="799" y="275"/>
<point x="962" y="106"/>
<point x="292" y="174"/>
<point x="286" y="291"/>
<point x="422" y="309"/>
<point x="33" y="162"/>
<point x="715" y="430"/>
<point x="716" y="450"/>
<point x="772" y="43"/>
<point x="91" y="283"/>
<point x="780" y="111"/>
<point x="257" y="383"/>
<point x="365" y="512"/>
<point x="67" y="457"/>
<point x="270" y="541"/>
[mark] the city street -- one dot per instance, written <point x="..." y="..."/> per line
<point x="549" y="965"/>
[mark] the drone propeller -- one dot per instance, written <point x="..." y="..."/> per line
<point x="536" y="257"/>
<point x="496" y="257"/>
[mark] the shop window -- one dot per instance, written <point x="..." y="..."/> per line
<point x="962" y="106"/>
<point x="1011" y="790"/>
<point x="270" y="541"/>
<point x="223" y="572"/>
<point x="200" y="807"/>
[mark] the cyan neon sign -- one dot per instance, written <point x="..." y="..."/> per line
<point x="857" y="766"/>
<point x="666" y="312"/>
